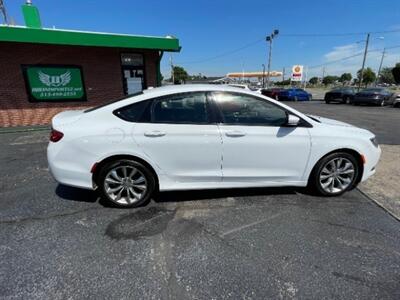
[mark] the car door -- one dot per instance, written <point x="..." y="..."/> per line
<point x="182" y="138"/>
<point x="256" y="144"/>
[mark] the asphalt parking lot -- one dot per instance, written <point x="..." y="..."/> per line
<point x="383" y="121"/>
<point x="58" y="242"/>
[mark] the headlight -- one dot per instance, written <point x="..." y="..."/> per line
<point x="374" y="141"/>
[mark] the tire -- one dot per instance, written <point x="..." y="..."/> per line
<point x="346" y="100"/>
<point x="340" y="182"/>
<point x="327" y="101"/>
<point x="382" y="103"/>
<point x="137" y="183"/>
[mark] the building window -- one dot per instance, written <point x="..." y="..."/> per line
<point x="132" y="59"/>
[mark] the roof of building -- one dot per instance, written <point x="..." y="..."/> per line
<point x="86" y="38"/>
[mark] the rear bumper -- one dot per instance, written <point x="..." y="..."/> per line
<point x="66" y="171"/>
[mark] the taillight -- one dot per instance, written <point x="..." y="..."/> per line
<point x="56" y="135"/>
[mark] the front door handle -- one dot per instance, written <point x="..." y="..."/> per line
<point x="154" y="133"/>
<point x="235" y="133"/>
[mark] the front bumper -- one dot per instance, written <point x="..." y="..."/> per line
<point x="372" y="156"/>
<point x="375" y="101"/>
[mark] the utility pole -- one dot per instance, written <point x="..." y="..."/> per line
<point x="3" y="11"/>
<point x="283" y="74"/>
<point x="380" y="67"/>
<point x="323" y="73"/>
<point x="172" y="69"/>
<point x="363" y="63"/>
<point x="305" y="76"/>
<point x="269" y="39"/>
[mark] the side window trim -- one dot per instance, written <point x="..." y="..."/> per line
<point x="208" y="111"/>
<point x="220" y="119"/>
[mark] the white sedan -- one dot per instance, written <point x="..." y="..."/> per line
<point x="205" y="137"/>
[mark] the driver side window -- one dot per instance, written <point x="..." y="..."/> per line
<point x="241" y="109"/>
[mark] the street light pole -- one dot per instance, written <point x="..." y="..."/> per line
<point x="263" y="76"/>
<point x="269" y="39"/>
<point x="363" y="63"/>
<point x="380" y="67"/>
<point x="3" y="11"/>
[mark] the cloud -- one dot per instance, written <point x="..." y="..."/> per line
<point x="348" y="58"/>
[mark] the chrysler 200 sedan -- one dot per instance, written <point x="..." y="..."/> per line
<point x="205" y="137"/>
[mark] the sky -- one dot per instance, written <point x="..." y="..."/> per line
<point x="219" y="36"/>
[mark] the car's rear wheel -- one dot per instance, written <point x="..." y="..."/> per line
<point x="335" y="174"/>
<point x="126" y="183"/>
<point x="346" y="100"/>
<point x="382" y="103"/>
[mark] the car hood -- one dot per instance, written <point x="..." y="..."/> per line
<point x="328" y="121"/>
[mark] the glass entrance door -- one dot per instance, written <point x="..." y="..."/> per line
<point x="133" y="72"/>
<point x="133" y="80"/>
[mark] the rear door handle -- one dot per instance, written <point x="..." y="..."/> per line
<point x="154" y="133"/>
<point x="235" y="133"/>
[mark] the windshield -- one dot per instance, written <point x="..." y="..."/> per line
<point x="373" y="90"/>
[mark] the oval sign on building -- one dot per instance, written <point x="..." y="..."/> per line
<point x="54" y="83"/>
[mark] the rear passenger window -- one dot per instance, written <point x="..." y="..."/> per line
<point x="136" y="112"/>
<point x="187" y="108"/>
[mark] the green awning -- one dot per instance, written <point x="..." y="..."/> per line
<point x="86" y="38"/>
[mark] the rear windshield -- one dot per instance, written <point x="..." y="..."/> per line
<point x="114" y="101"/>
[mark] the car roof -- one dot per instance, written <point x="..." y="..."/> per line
<point x="168" y="89"/>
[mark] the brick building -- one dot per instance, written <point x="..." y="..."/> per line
<point x="45" y="71"/>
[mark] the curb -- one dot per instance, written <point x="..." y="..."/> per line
<point x="379" y="205"/>
<point x="23" y="129"/>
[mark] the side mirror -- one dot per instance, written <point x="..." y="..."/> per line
<point x="292" y="120"/>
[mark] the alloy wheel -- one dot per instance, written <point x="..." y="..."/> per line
<point x="125" y="185"/>
<point x="337" y="175"/>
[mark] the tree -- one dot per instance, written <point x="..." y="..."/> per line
<point x="368" y="76"/>
<point x="313" y="80"/>
<point x="282" y="83"/>
<point x="329" y="79"/>
<point x="345" y="77"/>
<point x="396" y="73"/>
<point x="386" y="76"/>
<point x="180" y="74"/>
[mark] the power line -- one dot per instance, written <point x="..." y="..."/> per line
<point x="338" y="34"/>
<point x="224" y="53"/>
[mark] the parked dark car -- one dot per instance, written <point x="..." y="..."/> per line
<point x="272" y="93"/>
<point x="294" y="94"/>
<point x="376" y="96"/>
<point x="396" y="101"/>
<point x="341" y="95"/>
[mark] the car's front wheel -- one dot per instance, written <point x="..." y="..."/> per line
<point x="126" y="183"/>
<point x="335" y="174"/>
